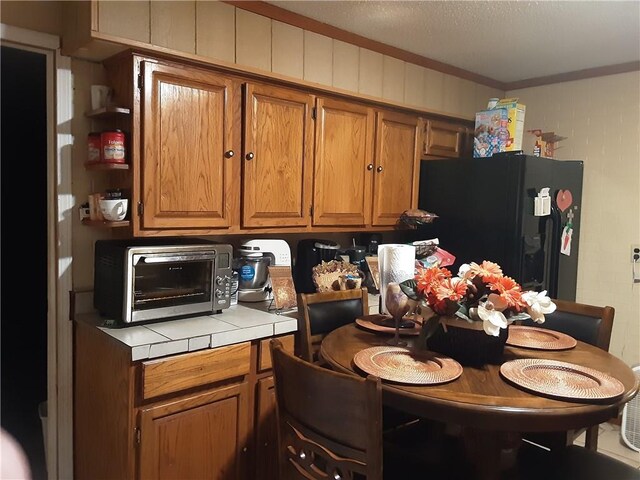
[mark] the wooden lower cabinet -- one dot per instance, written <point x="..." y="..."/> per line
<point x="202" y="436"/>
<point x="266" y="430"/>
<point x="204" y="414"/>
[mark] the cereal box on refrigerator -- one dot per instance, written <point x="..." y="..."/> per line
<point x="491" y="132"/>
<point x="515" y="114"/>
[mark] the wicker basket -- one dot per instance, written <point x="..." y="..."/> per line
<point x="467" y="342"/>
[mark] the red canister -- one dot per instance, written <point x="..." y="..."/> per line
<point x="112" y="146"/>
<point x="95" y="147"/>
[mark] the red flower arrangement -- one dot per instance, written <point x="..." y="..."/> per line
<point x="480" y="292"/>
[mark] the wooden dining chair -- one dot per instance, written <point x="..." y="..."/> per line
<point x="589" y="324"/>
<point x="574" y="461"/>
<point x="321" y="313"/>
<point x="329" y="423"/>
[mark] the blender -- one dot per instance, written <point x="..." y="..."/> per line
<point x="255" y="256"/>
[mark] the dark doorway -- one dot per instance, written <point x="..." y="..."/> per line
<point x="23" y="246"/>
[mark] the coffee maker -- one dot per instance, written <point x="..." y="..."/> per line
<point x="255" y="256"/>
<point x="311" y="252"/>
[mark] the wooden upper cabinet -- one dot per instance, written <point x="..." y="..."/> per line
<point x="277" y="157"/>
<point x="467" y="142"/>
<point x="442" y="139"/>
<point x="188" y="174"/>
<point x="397" y="160"/>
<point x="202" y="436"/>
<point x="343" y="163"/>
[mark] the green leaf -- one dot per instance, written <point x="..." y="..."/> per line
<point x="460" y="314"/>
<point x="463" y="313"/>
<point x="409" y="288"/>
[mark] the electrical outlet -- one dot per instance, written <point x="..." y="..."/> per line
<point x="635" y="253"/>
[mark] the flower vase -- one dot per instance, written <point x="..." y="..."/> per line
<point x="467" y="342"/>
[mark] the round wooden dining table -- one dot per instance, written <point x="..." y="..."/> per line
<point x="480" y="400"/>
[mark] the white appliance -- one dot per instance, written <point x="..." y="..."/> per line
<point x="630" y="429"/>
<point x="254" y="282"/>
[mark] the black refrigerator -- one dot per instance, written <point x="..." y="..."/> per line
<point x="487" y="211"/>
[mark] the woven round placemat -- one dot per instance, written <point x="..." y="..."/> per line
<point x="539" y="338"/>
<point x="562" y="380"/>
<point x="372" y="323"/>
<point x="402" y="365"/>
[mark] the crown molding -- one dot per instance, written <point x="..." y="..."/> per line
<point x="575" y="75"/>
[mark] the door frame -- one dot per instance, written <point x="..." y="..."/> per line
<point x="59" y="440"/>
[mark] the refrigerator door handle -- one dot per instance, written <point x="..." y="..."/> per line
<point x="554" y="250"/>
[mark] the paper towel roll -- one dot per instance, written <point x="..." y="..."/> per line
<point x="396" y="263"/>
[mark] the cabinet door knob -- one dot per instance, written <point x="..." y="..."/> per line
<point x="379" y="169"/>
<point x="249" y="156"/>
<point x="370" y="166"/>
<point x="229" y="153"/>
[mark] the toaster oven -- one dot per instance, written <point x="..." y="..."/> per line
<point x="145" y="280"/>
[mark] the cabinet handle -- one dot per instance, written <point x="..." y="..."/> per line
<point x="249" y="156"/>
<point x="379" y="169"/>
<point x="370" y="166"/>
<point x="229" y="153"/>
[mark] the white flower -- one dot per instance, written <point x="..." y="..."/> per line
<point x="538" y="304"/>
<point x="465" y="271"/>
<point x="492" y="319"/>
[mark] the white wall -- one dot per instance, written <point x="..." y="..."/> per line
<point x="601" y="118"/>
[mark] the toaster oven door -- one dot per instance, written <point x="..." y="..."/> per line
<point x="169" y="285"/>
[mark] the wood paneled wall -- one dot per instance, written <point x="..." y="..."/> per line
<point x="221" y="31"/>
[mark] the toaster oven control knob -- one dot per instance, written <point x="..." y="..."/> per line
<point x="223" y="280"/>
<point x="219" y="293"/>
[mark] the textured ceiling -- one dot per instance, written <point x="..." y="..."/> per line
<point x="503" y="40"/>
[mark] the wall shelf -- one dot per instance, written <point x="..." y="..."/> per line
<point x="106" y="112"/>
<point x="105" y="223"/>
<point x="106" y="166"/>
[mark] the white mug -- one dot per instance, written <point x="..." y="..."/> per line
<point x="114" y="210"/>
<point x="100" y="96"/>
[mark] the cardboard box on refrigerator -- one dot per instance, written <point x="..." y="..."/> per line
<point x="491" y="132"/>
<point x="515" y="114"/>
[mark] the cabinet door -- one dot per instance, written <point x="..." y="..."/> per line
<point x="187" y="170"/>
<point x="397" y="156"/>
<point x="277" y="157"/>
<point x="467" y="142"/>
<point x="266" y="431"/>
<point x="443" y="139"/>
<point x="203" y="436"/>
<point x="343" y="163"/>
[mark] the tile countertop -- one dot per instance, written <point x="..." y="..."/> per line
<point x="239" y="323"/>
